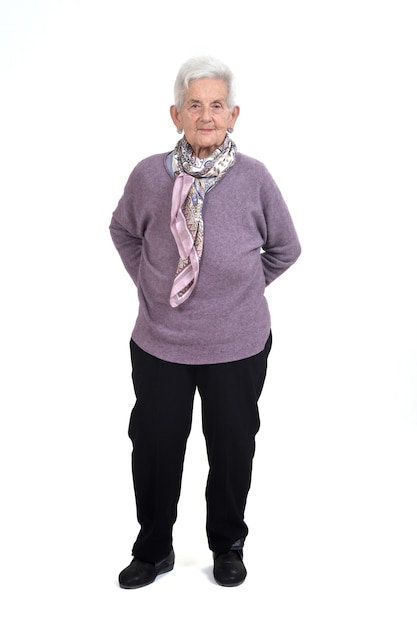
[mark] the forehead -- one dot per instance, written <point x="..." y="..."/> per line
<point x="207" y="89"/>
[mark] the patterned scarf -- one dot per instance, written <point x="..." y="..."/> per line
<point x="194" y="178"/>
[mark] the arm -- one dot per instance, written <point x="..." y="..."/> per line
<point x="282" y="247"/>
<point x="128" y="245"/>
<point x="127" y="225"/>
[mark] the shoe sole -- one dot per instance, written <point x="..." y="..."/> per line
<point x="230" y="584"/>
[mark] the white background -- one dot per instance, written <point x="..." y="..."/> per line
<point x="328" y="103"/>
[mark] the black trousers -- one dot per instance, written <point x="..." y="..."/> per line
<point x="159" y="427"/>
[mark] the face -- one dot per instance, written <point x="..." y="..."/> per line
<point x="205" y="115"/>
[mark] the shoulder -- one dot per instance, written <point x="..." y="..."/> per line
<point x="252" y="172"/>
<point x="249" y="166"/>
<point x="254" y="178"/>
<point x="150" y="164"/>
<point x="147" y="170"/>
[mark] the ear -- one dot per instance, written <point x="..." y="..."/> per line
<point x="234" y="116"/>
<point x="175" y="116"/>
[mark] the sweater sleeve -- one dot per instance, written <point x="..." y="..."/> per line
<point x="281" y="246"/>
<point x="128" y="246"/>
<point x="125" y="230"/>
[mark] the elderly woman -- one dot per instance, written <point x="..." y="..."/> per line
<point x="202" y="230"/>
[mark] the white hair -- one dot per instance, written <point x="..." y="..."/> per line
<point x="203" y="67"/>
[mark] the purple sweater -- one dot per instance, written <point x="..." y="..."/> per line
<point x="249" y="240"/>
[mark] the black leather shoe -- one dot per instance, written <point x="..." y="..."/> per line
<point x="138" y="573"/>
<point x="229" y="570"/>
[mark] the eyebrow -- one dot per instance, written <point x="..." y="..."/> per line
<point x="197" y="101"/>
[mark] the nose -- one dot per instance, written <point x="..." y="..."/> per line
<point x="205" y="113"/>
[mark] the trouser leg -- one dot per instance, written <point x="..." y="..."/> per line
<point x="159" y="427"/>
<point x="230" y="394"/>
